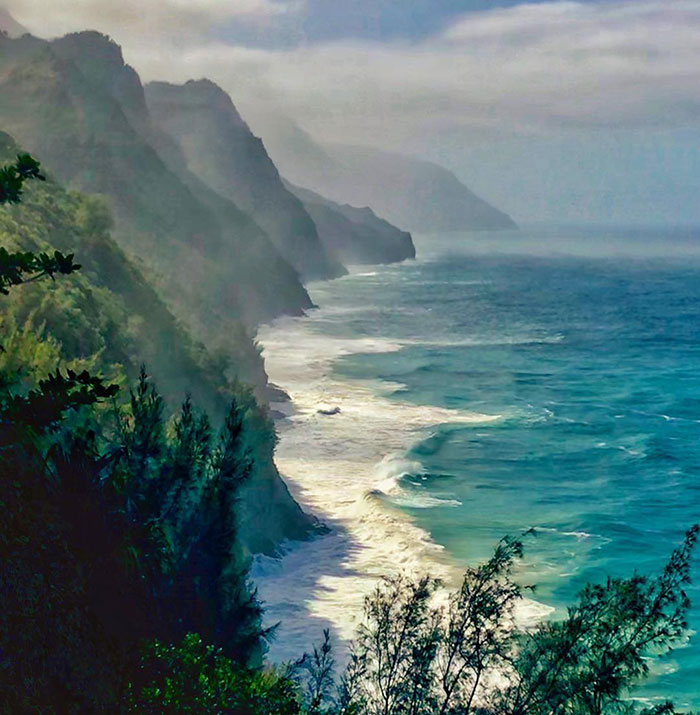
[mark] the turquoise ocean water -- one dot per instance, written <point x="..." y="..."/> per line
<point x="581" y="347"/>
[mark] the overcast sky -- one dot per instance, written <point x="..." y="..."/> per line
<point x="552" y="110"/>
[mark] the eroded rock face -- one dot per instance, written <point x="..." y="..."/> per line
<point x="222" y="151"/>
<point x="356" y="235"/>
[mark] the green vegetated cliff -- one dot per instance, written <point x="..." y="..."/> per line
<point x="179" y="200"/>
<point x="109" y="318"/>
<point x="81" y="110"/>
<point x="108" y="315"/>
<point x="77" y="106"/>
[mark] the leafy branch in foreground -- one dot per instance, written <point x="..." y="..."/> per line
<point x="44" y="408"/>
<point x="415" y="657"/>
<point x="587" y="662"/>
<point x="22" y="267"/>
<point x="192" y="677"/>
<point x="13" y="176"/>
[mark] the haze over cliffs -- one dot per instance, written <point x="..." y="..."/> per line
<point x="413" y="194"/>
<point x="356" y="235"/>
<point x="220" y="149"/>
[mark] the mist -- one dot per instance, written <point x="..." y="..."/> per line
<point x="565" y="111"/>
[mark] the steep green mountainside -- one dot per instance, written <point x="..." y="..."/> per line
<point x="221" y="150"/>
<point x="80" y="109"/>
<point x="107" y="317"/>
<point x="115" y="319"/>
<point x="356" y="235"/>
<point x="416" y="195"/>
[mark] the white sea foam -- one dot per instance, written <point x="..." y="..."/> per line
<point x="496" y="341"/>
<point x="345" y="468"/>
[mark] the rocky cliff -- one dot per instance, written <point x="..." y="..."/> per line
<point x="221" y="150"/>
<point x="356" y="235"/>
<point x="81" y="110"/>
<point x="413" y="194"/>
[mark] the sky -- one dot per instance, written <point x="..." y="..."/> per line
<point x="553" y="111"/>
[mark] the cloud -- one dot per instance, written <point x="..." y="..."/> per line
<point x="143" y="21"/>
<point x="524" y="69"/>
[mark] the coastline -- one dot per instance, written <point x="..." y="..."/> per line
<point x="340" y="468"/>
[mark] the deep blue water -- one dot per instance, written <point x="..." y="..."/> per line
<point x="592" y="360"/>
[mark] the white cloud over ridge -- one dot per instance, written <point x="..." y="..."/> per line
<point x="522" y="68"/>
<point x="539" y="70"/>
<point x="142" y="21"/>
<point x="525" y="68"/>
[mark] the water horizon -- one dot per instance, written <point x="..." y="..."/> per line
<point x="491" y="387"/>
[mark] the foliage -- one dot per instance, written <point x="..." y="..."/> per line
<point x="107" y="315"/>
<point x="23" y="266"/>
<point x="192" y="677"/>
<point x="315" y="672"/>
<point x="586" y="663"/>
<point x="108" y="319"/>
<point x="13" y="176"/>
<point x="148" y="512"/>
<point x="185" y="485"/>
<point x="118" y="529"/>
<point x="413" y="656"/>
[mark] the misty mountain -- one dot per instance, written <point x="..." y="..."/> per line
<point x="411" y="193"/>
<point x="9" y="25"/>
<point x="76" y="106"/>
<point x="356" y="235"/>
<point x="221" y="150"/>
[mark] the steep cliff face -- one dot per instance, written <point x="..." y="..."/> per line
<point x="413" y="194"/>
<point x="76" y="106"/>
<point x="222" y="151"/>
<point x="63" y="101"/>
<point x="356" y="235"/>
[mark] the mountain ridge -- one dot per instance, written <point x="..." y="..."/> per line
<point x="220" y="149"/>
<point x="213" y="266"/>
<point x="413" y="194"/>
<point x="76" y="124"/>
<point x="9" y="25"/>
<point x="357" y="235"/>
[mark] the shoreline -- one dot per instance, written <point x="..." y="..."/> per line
<point x="334" y="468"/>
<point x="342" y="468"/>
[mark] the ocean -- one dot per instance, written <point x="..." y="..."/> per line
<point x="544" y="379"/>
